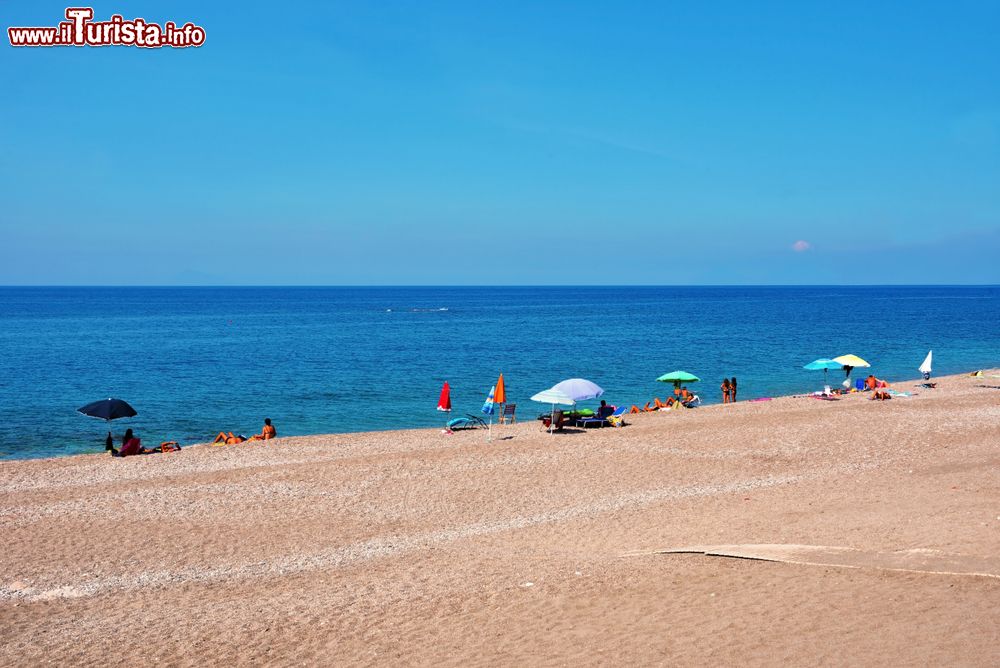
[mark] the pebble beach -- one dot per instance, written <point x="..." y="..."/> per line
<point x="793" y="530"/>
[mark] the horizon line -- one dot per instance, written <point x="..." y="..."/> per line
<point x="509" y="285"/>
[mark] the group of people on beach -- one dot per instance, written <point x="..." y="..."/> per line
<point x="729" y="390"/>
<point x="229" y="438"/>
<point x="131" y="445"/>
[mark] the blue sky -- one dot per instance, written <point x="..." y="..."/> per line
<point x="508" y="143"/>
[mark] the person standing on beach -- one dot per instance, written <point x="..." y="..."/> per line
<point x="725" y="390"/>
<point x="732" y="389"/>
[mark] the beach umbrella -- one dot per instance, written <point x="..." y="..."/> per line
<point x="501" y="395"/>
<point x="849" y="362"/>
<point x="579" y="389"/>
<point x="488" y="404"/>
<point x="444" y="401"/>
<point x="925" y="368"/>
<point x="108" y="409"/>
<point x="488" y="409"/>
<point x="553" y="396"/>
<point x="824" y="364"/>
<point x="678" y="377"/>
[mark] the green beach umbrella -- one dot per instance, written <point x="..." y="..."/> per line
<point x="677" y="377"/>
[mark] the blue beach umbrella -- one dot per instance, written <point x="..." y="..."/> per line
<point x="824" y="364"/>
<point x="108" y="409"/>
<point x="489" y="409"/>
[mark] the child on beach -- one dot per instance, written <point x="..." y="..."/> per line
<point x="725" y="390"/>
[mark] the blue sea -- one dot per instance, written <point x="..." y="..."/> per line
<point x="194" y="361"/>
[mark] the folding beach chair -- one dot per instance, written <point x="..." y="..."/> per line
<point x="508" y="414"/>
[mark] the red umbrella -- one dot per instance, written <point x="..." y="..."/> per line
<point x="444" y="402"/>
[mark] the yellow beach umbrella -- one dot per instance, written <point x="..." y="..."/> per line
<point x="850" y="360"/>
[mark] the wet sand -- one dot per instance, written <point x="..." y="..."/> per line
<point x="880" y="523"/>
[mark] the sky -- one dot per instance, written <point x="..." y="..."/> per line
<point x="507" y="143"/>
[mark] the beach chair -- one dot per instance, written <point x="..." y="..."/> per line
<point x="557" y="420"/>
<point x="508" y="414"/>
<point x="617" y="418"/>
<point x="468" y="422"/>
<point x="859" y="384"/>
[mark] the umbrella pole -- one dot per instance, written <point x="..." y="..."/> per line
<point x="552" y="418"/>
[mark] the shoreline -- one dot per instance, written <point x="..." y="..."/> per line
<point x="704" y="406"/>
<point x="411" y="546"/>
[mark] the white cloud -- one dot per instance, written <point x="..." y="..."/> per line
<point x="801" y="246"/>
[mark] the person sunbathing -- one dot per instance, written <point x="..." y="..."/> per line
<point x="267" y="433"/>
<point x="227" y="438"/>
<point x="870" y="382"/>
<point x="881" y="394"/>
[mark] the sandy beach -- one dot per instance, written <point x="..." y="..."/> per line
<point x="878" y="524"/>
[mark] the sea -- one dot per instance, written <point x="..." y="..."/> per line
<point x="194" y="361"/>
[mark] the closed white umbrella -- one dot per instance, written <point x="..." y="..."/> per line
<point x="925" y="368"/>
<point x="553" y="396"/>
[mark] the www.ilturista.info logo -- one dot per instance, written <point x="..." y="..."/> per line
<point x="81" y="30"/>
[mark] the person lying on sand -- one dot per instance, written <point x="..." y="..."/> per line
<point x="228" y="438"/>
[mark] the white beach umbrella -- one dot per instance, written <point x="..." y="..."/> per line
<point x="580" y="389"/>
<point x="925" y="368"/>
<point x="553" y="396"/>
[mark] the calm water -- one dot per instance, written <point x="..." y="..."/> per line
<point x="194" y="361"/>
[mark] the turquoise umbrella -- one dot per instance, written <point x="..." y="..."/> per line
<point x="824" y="364"/>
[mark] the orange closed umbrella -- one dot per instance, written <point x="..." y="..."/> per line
<point x="501" y="395"/>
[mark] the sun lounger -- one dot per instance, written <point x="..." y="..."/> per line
<point x="467" y="422"/>
<point x="612" y="419"/>
<point x="617" y="419"/>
